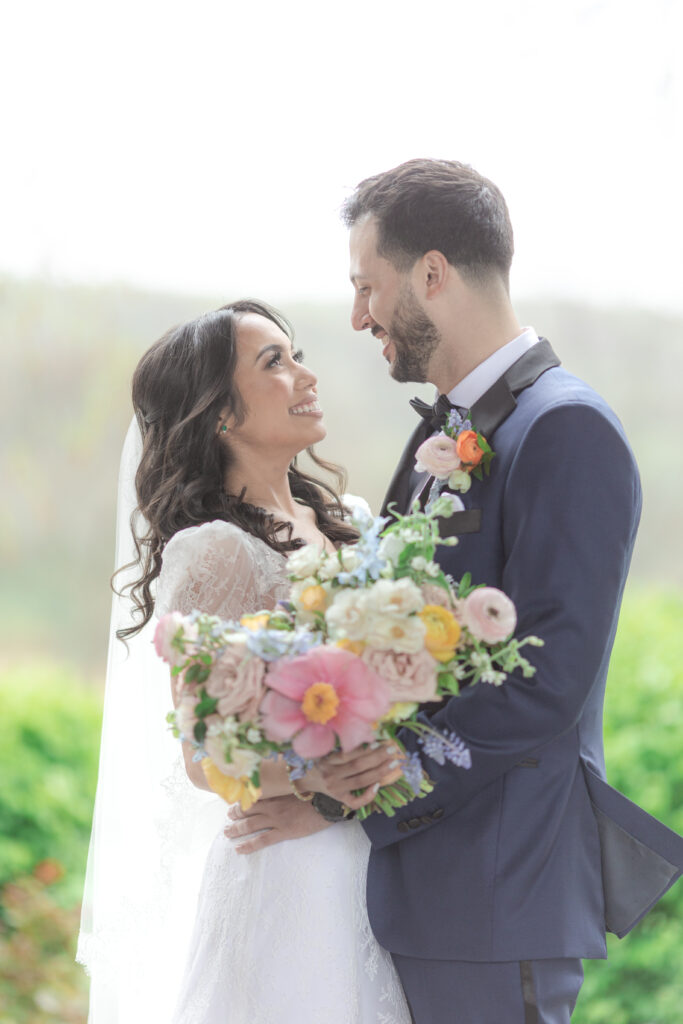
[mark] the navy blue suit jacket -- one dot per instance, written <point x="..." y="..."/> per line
<point x="529" y="854"/>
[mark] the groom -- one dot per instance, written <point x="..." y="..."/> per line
<point x="490" y="891"/>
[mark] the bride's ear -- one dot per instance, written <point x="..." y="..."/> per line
<point x="226" y="422"/>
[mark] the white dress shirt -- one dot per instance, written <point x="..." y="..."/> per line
<point x="475" y="384"/>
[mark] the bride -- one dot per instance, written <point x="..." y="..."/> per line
<point x="224" y="404"/>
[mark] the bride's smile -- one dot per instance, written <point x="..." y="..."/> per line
<point x="282" y="413"/>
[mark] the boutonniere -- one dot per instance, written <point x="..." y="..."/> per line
<point x="455" y="455"/>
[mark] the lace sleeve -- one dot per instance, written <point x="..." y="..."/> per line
<point x="219" y="569"/>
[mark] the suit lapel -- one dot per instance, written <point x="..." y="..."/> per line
<point x="400" y="489"/>
<point x="487" y="414"/>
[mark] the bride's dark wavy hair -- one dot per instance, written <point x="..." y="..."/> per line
<point x="180" y="387"/>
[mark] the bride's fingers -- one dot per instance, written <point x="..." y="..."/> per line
<point x="382" y="775"/>
<point x="364" y="756"/>
<point x="244" y="827"/>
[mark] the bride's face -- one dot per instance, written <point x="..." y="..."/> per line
<point x="278" y="392"/>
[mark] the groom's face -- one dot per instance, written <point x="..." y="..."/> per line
<point x="386" y="303"/>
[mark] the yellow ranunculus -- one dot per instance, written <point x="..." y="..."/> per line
<point x="258" y="621"/>
<point x="231" y="790"/>
<point x="355" y="646"/>
<point x="442" y="631"/>
<point x="313" y="599"/>
<point x="398" y="711"/>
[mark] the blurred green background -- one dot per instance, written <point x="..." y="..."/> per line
<point x="68" y="354"/>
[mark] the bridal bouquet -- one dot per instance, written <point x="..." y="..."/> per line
<point x="368" y="634"/>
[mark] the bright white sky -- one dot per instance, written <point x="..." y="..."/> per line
<point x="207" y="146"/>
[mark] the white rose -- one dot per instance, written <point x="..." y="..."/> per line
<point x="390" y="548"/>
<point x="403" y="634"/>
<point x="419" y="563"/>
<point x="304" y="561"/>
<point x="394" y="597"/>
<point x="346" y="616"/>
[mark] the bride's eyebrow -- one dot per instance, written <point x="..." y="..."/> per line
<point x="271" y="348"/>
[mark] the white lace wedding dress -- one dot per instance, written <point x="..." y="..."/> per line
<point x="281" y="935"/>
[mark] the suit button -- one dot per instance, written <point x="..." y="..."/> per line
<point x="403" y="826"/>
<point x="414" y="822"/>
<point x="425" y="819"/>
<point x="438" y="813"/>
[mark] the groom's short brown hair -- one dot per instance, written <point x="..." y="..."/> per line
<point x="437" y="204"/>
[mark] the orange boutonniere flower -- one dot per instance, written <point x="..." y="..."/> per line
<point x="467" y="445"/>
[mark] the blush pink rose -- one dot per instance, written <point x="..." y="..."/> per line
<point x="434" y="594"/>
<point x="411" y="677"/>
<point x="237" y="681"/>
<point x="167" y="629"/>
<point x="489" y="614"/>
<point x="437" y="456"/>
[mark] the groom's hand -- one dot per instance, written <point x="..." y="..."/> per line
<point x="271" y="821"/>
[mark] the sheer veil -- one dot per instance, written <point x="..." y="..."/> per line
<point x="151" y="827"/>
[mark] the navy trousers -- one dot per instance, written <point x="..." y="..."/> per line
<point x="459" y="992"/>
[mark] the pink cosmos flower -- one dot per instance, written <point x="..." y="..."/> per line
<point x="323" y="694"/>
<point x="437" y="456"/>
<point x="489" y="614"/>
<point x="411" y="677"/>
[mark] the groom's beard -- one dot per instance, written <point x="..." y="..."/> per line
<point x="415" y="338"/>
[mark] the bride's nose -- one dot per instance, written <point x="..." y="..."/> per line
<point x="307" y="379"/>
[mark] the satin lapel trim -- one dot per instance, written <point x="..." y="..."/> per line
<point x="494" y="407"/>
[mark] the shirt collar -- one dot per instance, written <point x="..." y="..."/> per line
<point x="482" y="377"/>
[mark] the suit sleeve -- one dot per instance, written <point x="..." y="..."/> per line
<point x="571" y="509"/>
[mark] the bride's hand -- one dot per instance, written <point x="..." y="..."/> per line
<point x="366" y="769"/>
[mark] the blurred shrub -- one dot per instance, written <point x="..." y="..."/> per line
<point x="642" y="982"/>
<point x="49" y="743"/>
<point x="39" y="981"/>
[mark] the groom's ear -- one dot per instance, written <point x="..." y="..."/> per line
<point x="432" y="271"/>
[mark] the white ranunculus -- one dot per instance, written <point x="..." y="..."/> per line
<point x="350" y="558"/>
<point x="419" y="563"/>
<point x="329" y="567"/>
<point x="394" y="597"/>
<point x="390" y="547"/>
<point x="304" y="561"/>
<point x="242" y="763"/>
<point x="346" y="616"/>
<point x="401" y="633"/>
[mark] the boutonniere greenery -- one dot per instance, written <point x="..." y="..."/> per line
<point x="455" y="455"/>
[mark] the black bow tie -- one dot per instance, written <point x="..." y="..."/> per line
<point x="437" y="414"/>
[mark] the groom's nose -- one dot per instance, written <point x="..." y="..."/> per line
<point x="360" y="317"/>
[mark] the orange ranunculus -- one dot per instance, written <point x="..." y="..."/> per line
<point x="442" y="631"/>
<point x="313" y="599"/>
<point x="468" y="448"/>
